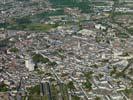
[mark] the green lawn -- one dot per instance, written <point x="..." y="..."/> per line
<point x="32" y="27"/>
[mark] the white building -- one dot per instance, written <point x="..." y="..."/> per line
<point x="29" y="63"/>
<point x="99" y="26"/>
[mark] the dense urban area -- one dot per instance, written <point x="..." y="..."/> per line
<point x="66" y="50"/>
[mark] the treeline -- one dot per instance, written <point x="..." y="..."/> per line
<point x="84" y="5"/>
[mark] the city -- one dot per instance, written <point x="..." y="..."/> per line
<point x="66" y="50"/>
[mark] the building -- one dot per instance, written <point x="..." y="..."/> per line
<point x="29" y="63"/>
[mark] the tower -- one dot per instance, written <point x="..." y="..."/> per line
<point x="45" y="89"/>
<point x="79" y="48"/>
<point x="29" y="63"/>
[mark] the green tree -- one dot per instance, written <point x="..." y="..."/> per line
<point x="97" y="98"/>
<point x="70" y="85"/>
<point x="88" y="75"/>
<point x="14" y="50"/>
<point x="75" y="98"/>
<point x="39" y="58"/>
<point x="88" y="85"/>
<point x="34" y="90"/>
<point x="52" y="63"/>
<point x="3" y="88"/>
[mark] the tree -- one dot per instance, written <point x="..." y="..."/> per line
<point x="14" y="50"/>
<point x="75" y="98"/>
<point x="24" y="20"/>
<point x="4" y="43"/>
<point x="3" y="88"/>
<point x="88" y="75"/>
<point x="39" y="58"/>
<point x="52" y="63"/>
<point x="88" y="85"/>
<point x="97" y="98"/>
<point x="128" y="91"/>
<point x="34" y="90"/>
<point x="113" y="71"/>
<point x="70" y="85"/>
